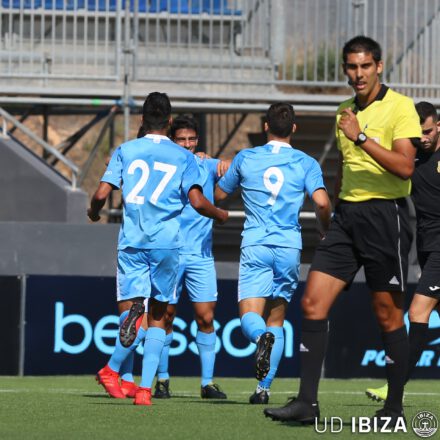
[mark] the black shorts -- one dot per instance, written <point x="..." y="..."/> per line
<point x="429" y="282"/>
<point x="375" y="234"/>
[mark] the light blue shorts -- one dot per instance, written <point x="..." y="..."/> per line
<point x="148" y="273"/>
<point x="269" y="272"/>
<point x="197" y="272"/>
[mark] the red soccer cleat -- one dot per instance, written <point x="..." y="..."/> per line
<point x="109" y="379"/>
<point x="128" y="388"/>
<point x="143" y="396"/>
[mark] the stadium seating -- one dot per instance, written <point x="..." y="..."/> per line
<point x="215" y="7"/>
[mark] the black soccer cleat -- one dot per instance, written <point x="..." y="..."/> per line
<point x="388" y="419"/>
<point x="295" y="411"/>
<point x="259" y="398"/>
<point x="128" y="331"/>
<point x="212" y="391"/>
<point x="162" y="389"/>
<point x="262" y="355"/>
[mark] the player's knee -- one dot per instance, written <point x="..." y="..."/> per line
<point x="205" y="321"/>
<point x="169" y="318"/>
<point x="310" y="306"/>
<point x="417" y="314"/>
<point x="389" y="318"/>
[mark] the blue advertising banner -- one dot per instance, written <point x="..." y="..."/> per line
<point x="355" y="347"/>
<point x="72" y="323"/>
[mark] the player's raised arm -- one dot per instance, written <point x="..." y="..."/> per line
<point x="398" y="161"/>
<point x="219" y="194"/>
<point x="204" y="207"/>
<point x="223" y="166"/>
<point x="231" y="179"/>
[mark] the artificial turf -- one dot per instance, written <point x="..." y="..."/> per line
<point x="74" y="407"/>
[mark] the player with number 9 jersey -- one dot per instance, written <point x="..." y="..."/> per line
<point x="273" y="179"/>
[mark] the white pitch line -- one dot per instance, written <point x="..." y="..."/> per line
<point x="191" y="393"/>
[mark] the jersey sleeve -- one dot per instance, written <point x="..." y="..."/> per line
<point x="230" y="181"/>
<point x="313" y="177"/>
<point x="407" y="123"/>
<point x="191" y="175"/>
<point x="113" y="174"/>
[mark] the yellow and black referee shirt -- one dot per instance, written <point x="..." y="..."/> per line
<point x="389" y="117"/>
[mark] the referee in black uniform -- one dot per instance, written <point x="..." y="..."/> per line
<point x="370" y="228"/>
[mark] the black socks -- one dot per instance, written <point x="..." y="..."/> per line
<point x="396" y="364"/>
<point x="314" y="335"/>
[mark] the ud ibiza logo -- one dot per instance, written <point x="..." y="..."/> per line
<point x="424" y="424"/>
<point x="362" y="425"/>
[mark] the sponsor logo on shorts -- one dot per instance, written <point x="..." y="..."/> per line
<point x="394" y="280"/>
<point x="433" y="288"/>
<point x="424" y="424"/>
<point x="303" y="348"/>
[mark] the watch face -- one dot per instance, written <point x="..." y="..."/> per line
<point x="362" y="137"/>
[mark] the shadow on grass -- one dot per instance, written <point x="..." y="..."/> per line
<point x="215" y="402"/>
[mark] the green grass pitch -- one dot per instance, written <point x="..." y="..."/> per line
<point x="74" y="407"/>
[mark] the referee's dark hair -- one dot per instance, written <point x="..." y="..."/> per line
<point x="280" y="118"/>
<point x="361" y="43"/>
<point x="182" y="122"/>
<point x="156" y="113"/>
<point x="425" y="110"/>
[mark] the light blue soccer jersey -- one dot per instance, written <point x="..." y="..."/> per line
<point x="156" y="175"/>
<point x="273" y="179"/>
<point x="196" y="230"/>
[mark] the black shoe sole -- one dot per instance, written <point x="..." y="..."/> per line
<point x="214" y="397"/>
<point x="262" y="357"/>
<point x="162" y="396"/>
<point x="127" y="333"/>
<point x="301" y="421"/>
<point x="373" y="397"/>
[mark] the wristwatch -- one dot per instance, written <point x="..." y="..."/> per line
<point x="362" y="137"/>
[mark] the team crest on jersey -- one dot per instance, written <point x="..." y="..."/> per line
<point x="438" y="166"/>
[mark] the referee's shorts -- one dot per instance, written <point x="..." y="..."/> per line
<point x="375" y="234"/>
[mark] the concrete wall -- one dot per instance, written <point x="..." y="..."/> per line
<point x="32" y="191"/>
<point x="37" y="248"/>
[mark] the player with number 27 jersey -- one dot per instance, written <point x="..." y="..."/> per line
<point x="273" y="179"/>
<point x="156" y="175"/>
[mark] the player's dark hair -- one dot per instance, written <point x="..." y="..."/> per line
<point x="360" y="44"/>
<point x="425" y="110"/>
<point x="156" y="113"/>
<point x="182" y="122"/>
<point x="280" y="118"/>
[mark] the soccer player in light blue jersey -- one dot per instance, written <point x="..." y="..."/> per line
<point x="273" y="179"/>
<point x="157" y="178"/>
<point x="196" y="269"/>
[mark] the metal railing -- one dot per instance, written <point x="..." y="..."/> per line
<point x="101" y="43"/>
<point x="6" y="117"/>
